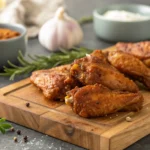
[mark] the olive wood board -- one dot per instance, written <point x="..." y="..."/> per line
<point x="56" y="119"/>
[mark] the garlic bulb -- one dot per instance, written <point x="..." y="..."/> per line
<point x="60" y="32"/>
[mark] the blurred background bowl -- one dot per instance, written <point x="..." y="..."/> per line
<point x="115" y="31"/>
<point x="9" y="48"/>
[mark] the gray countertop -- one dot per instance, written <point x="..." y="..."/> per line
<point x="37" y="141"/>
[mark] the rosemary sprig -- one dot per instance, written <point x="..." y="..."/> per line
<point x="85" y="20"/>
<point x="4" y="126"/>
<point x="43" y="62"/>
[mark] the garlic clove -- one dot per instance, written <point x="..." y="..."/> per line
<point x="61" y="31"/>
<point x="74" y="27"/>
<point x="44" y="38"/>
<point x="60" y="13"/>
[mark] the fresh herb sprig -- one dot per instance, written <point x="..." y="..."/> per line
<point x="4" y="126"/>
<point x="85" y="20"/>
<point x="43" y="62"/>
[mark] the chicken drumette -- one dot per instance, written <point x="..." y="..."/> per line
<point x="130" y="65"/>
<point x="97" y="100"/>
<point x="54" y="82"/>
<point x="94" y="68"/>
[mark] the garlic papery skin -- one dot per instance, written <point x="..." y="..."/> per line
<point x="61" y="31"/>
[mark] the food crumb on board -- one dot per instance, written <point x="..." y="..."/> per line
<point x="128" y="119"/>
<point x="27" y="104"/>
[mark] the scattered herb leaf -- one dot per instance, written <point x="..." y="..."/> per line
<point x="4" y="126"/>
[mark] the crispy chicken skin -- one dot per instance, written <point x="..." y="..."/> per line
<point x="140" y="50"/>
<point x="131" y="66"/>
<point x="97" y="100"/>
<point x="54" y="82"/>
<point x="147" y="62"/>
<point x="94" y="68"/>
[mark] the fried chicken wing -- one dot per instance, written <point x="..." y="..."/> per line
<point x="131" y="66"/>
<point x="54" y="82"/>
<point x="140" y="50"/>
<point x="94" y="68"/>
<point x="97" y="100"/>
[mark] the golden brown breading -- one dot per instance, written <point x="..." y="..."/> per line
<point x="147" y="62"/>
<point x="97" y="100"/>
<point x="131" y="66"/>
<point x="94" y="68"/>
<point x="54" y="82"/>
<point x="140" y="50"/>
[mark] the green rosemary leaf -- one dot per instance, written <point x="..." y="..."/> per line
<point x="43" y="62"/>
<point x="39" y="57"/>
<point x="63" y="50"/>
<point x="31" y="57"/>
<point x="20" y="55"/>
<point x="21" y="61"/>
<point x="10" y="70"/>
<point x="12" y="76"/>
<point x="5" y="74"/>
<point x="12" y="65"/>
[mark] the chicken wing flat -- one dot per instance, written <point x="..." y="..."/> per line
<point x="131" y="66"/>
<point x="140" y="50"/>
<point x="54" y="82"/>
<point x="97" y="100"/>
<point x="94" y="68"/>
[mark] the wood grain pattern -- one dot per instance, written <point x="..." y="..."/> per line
<point x="58" y="120"/>
<point x="15" y="110"/>
<point x="72" y="129"/>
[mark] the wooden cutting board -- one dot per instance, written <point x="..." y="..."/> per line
<point x="57" y="119"/>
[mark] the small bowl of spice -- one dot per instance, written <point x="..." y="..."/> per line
<point x="122" y="22"/>
<point x="12" y="40"/>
